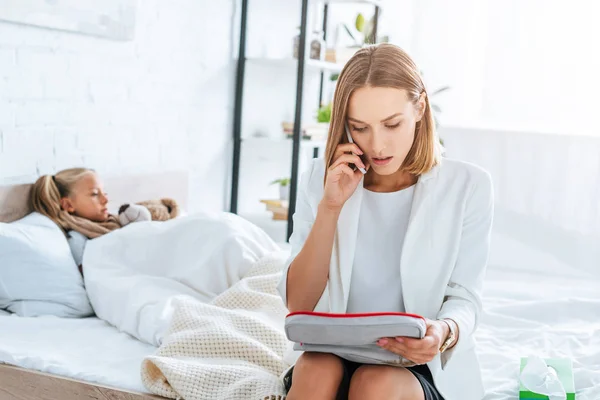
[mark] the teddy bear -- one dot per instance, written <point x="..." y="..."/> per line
<point x="151" y="210"/>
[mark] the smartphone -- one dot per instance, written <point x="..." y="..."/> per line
<point x="364" y="171"/>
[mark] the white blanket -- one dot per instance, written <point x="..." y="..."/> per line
<point x="230" y="349"/>
<point x="133" y="274"/>
<point x="213" y="275"/>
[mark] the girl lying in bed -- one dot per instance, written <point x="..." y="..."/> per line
<point x="76" y="201"/>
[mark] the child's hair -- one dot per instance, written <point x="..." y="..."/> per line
<point x="49" y="189"/>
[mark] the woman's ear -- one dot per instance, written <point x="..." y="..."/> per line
<point x="67" y="205"/>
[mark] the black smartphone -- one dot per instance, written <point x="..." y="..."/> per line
<point x="364" y="171"/>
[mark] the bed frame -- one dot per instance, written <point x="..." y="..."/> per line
<point x="24" y="384"/>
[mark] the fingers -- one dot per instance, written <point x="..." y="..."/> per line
<point x="348" y="159"/>
<point x="343" y="169"/>
<point x="347" y="148"/>
<point x="425" y="346"/>
<point x="435" y="331"/>
<point x="420" y="355"/>
<point x="414" y="345"/>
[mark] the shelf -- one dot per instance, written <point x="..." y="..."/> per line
<point x="314" y="65"/>
<point x="372" y="2"/>
<point x="272" y="153"/>
<point x="303" y="142"/>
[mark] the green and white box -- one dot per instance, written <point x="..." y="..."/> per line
<point x="564" y="370"/>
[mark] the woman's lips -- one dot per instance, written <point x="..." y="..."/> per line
<point x="381" y="160"/>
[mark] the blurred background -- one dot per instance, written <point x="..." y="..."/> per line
<point x="153" y="87"/>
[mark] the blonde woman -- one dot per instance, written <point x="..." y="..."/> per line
<point x="411" y="235"/>
<point x="75" y="200"/>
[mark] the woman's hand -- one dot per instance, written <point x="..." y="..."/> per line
<point x="341" y="180"/>
<point x="419" y="351"/>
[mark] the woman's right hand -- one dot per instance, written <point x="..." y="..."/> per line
<point x="341" y="180"/>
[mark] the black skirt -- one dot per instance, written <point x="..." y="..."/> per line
<point x="421" y="372"/>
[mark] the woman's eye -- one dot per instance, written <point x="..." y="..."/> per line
<point x="357" y="129"/>
<point x="393" y="126"/>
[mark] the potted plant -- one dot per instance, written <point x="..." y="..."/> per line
<point x="284" y="188"/>
<point x="365" y="28"/>
<point x="319" y="130"/>
<point x="363" y="34"/>
<point x="324" y="114"/>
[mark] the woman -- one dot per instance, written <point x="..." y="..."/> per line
<point x="75" y="200"/>
<point x="411" y="235"/>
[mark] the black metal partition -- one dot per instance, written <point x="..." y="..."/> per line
<point x="296" y="138"/>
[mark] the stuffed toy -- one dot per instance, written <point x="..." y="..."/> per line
<point x="151" y="210"/>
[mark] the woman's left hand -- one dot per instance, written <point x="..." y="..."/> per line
<point x="419" y="351"/>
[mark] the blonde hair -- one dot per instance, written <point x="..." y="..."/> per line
<point x="49" y="189"/>
<point x="385" y="65"/>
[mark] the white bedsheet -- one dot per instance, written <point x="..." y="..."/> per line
<point x="536" y="305"/>
<point x="533" y="304"/>
<point x="132" y="274"/>
<point x="88" y="349"/>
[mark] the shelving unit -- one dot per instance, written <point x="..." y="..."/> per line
<point x="303" y="143"/>
<point x="371" y="2"/>
<point x="302" y="65"/>
<point x="315" y="65"/>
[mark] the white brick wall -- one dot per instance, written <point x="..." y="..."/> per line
<point x="160" y="102"/>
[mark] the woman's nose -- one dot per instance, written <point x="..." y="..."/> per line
<point x="104" y="199"/>
<point x="378" y="142"/>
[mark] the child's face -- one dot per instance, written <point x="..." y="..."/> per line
<point x="87" y="199"/>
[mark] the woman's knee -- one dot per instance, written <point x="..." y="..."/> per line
<point x="317" y="374"/>
<point x="319" y="366"/>
<point x="384" y="382"/>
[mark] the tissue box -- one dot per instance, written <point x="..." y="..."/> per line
<point x="564" y="370"/>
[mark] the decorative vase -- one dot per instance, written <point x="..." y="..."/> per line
<point x="284" y="193"/>
<point x="343" y="54"/>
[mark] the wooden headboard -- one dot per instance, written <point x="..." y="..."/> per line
<point x="14" y="200"/>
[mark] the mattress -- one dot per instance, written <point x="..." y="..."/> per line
<point x="535" y="304"/>
<point x="87" y="349"/>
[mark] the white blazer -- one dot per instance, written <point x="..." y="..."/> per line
<point x="443" y="261"/>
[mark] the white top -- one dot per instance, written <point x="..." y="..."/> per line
<point x="454" y="200"/>
<point x="375" y="283"/>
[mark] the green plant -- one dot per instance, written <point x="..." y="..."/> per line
<point x="364" y="27"/>
<point x="281" y="182"/>
<point x="324" y="113"/>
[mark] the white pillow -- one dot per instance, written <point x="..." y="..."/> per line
<point x="38" y="275"/>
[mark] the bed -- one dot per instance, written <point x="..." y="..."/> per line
<point x="77" y="358"/>
<point x="535" y="303"/>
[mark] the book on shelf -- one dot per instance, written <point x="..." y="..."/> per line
<point x="279" y="208"/>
